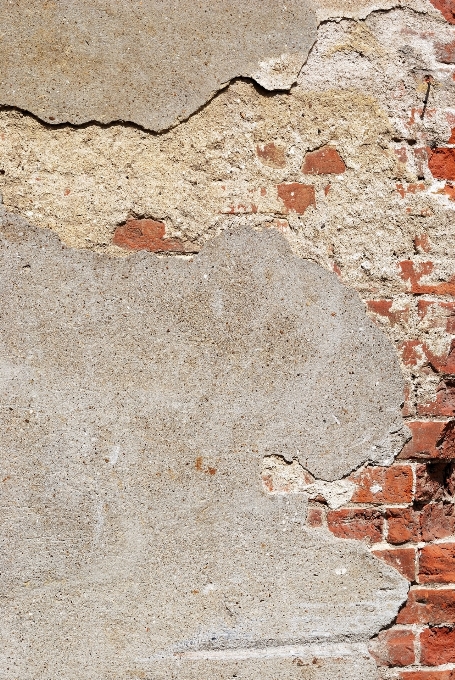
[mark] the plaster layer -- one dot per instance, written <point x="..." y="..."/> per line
<point x="150" y="62"/>
<point x="139" y="396"/>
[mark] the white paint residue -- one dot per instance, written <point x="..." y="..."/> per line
<point x="375" y="488"/>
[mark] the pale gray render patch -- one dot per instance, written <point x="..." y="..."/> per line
<point x="152" y="62"/>
<point x="139" y="397"/>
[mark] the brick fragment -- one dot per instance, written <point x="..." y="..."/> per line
<point x="315" y="517"/>
<point x="437" y="520"/>
<point x="430" y="439"/>
<point x="430" y="482"/>
<point x="272" y="155"/>
<point x="443" y="404"/>
<point x="403" y="559"/>
<point x="413" y="272"/>
<point x="442" y="163"/>
<point x="422" y="243"/>
<point x="364" y="523"/>
<point x="427" y="675"/>
<point x="383" y="308"/>
<point x="447" y="9"/>
<point x="436" y="314"/>
<point x="445" y="52"/>
<point x="437" y="646"/>
<point x="325" y="161"/>
<point x="296" y="197"/>
<point x="429" y="606"/>
<point x="145" y="234"/>
<point x="394" y="647"/>
<point x="403" y="525"/>
<point x="383" y="485"/>
<point x="437" y="563"/>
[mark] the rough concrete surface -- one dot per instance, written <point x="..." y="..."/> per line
<point x="152" y="62"/>
<point x="139" y="397"/>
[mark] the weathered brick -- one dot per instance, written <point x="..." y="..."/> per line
<point x="296" y="197"/>
<point x="325" y="161"/>
<point x="422" y="243"/>
<point x="403" y="525"/>
<point x="383" y="485"/>
<point x="436" y="314"/>
<point x="402" y="559"/>
<point x="447" y="9"/>
<point x="430" y="482"/>
<point x="443" y="404"/>
<point x="442" y="163"/>
<point x="364" y="523"/>
<point x="383" y="308"/>
<point x="145" y="234"/>
<point x="426" y="605"/>
<point x="315" y="516"/>
<point x="437" y="563"/>
<point x="445" y="52"/>
<point x="272" y="155"/>
<point x="393" y="647"/>
<point x="427" y="675"/>
<point x="437" y="646"/>
<point x="430" y="439"/>
<point x="437" y="520"/>
<point x="413" y="272"/>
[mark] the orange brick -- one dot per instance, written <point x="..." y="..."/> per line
<point x="403" y="559"/>
<point x="383" y="485"/>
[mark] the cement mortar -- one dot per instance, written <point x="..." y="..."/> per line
<point x="139" y="398"/>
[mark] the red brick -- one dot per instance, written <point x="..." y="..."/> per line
<point x="325" y="161"/>
<point x="449" y="479"/>
<point x="427" y="675"/>
<point x="145" y="235"/>
<point x="296" y="197"/>
<point x="402" y="559"/>
<point x="445" y="52"/>
<point x="429" y="606"/>
<point x="437" y="563"/>
<point x="430" y="439"/>
<point x="430" y="482"/>
<point x="383" y="308"/>
<point x="272" y="155"/>
<point x="413" y="272"/>
<point x="394" y="647"/>
<point x="412" y="352"/>
<point x="315" y="517"/>
<point x="437" y="314"/>
<point x="383" y="485"/>
<point x="422" y="243"/>
<point x="437" y="646"/>
<point x="437" y="520"/>
<point x="357" y="523"/>
<point x="442" y="163"/>
<point x="403" y="525"/>
<point x="444" y="403"/>
<point x="447" y="9"/>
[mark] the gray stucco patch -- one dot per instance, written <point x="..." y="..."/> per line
<point x="150" y="62"/>
<point x="139" y="397"/>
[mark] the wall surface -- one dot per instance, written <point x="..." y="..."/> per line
<point x="204" y="468"/>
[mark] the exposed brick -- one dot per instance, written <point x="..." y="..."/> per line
<point x="437" y="520"/>
<point x="365" y="523"/>
<point x="296" y="197"/>
<point x="383" y="485"/>
<point x="430" y="439"/>
<point x="383" y="308"/>
<point x="422" y="243"/>
<point x="410" y="188"/>
<point x="444" y="403"/>
<point x="325" y="161"/>
<point x="437" y="563"/>
<point x="429" y="606"/>
<point x="447" y="9"/>
<point x="437" y="646"/>
<point x="403" y="525"/>
<point x="145" y="235"/>
<point x="315" y="516"/>
<point x="445" y="52"/>
<point x="413" y="272"/>
<point x="436" y="314"/>
<point x="430" y="481"/>
<point x="394" y="647"/>
<point x="427" y="675"/>
<point x="402" y="559"/>
<point x="442" y="163"/>
<point x="449" y="479"/>
<point x="272" y="155"/>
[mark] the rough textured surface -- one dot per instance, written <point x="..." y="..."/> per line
<point x="150" y="62"/>
<point x="139" y="397"/>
